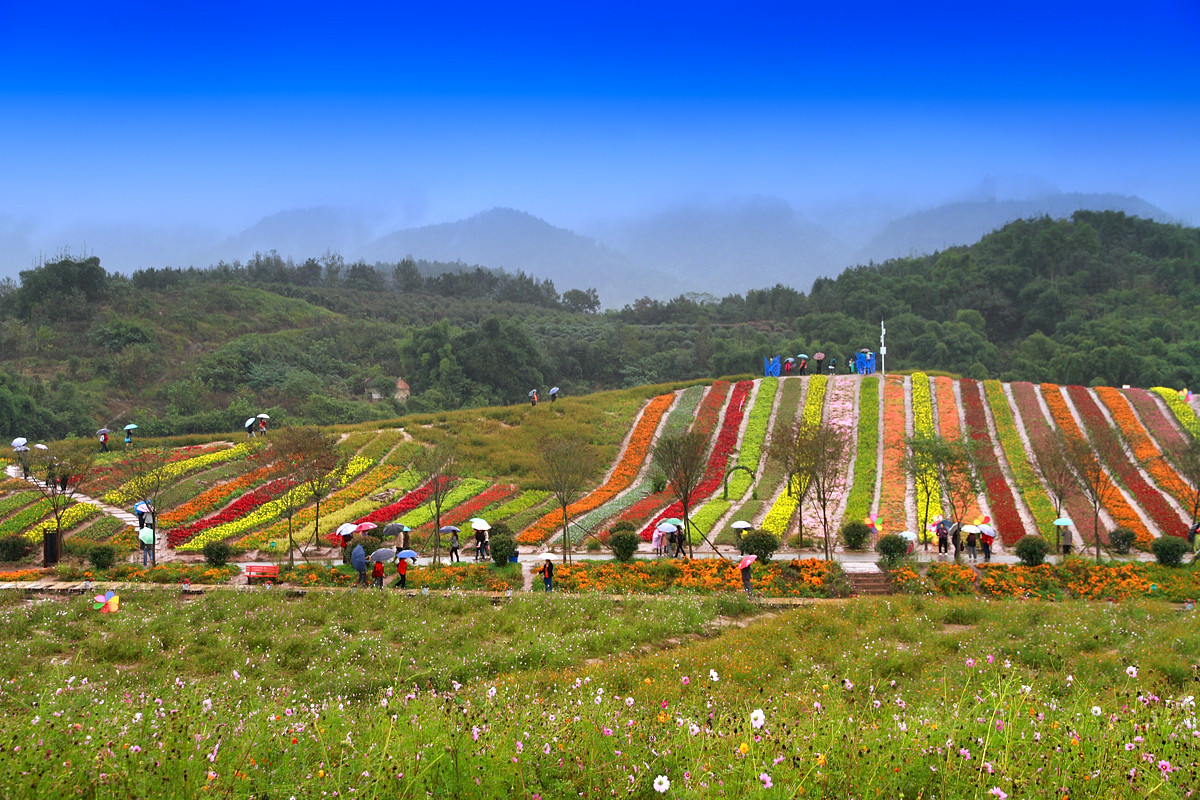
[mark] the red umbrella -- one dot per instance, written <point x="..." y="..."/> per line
<point x="819" y="356"/>
<point x="747" y="561"/>
<point x="366" y="526"/>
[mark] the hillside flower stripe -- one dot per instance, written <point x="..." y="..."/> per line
<point x="214" y="498"/>
<point x="1158" y="420"/>
<point x="717" y="460"/>
<point x="779" y="518"/>
<point x="866" y="459"/>
<point x="623" y="475"/>
<point x="1148" y="497"/>
<point x="1028" y="484"/>
<point x="950" y="427"/>
<point x="72" y="516"/>
<point x="1121" y="512"/>
<point x="1140" y="441"/>
<point x="1005" y="517"/>
<point x="838" y="409"/>
<point x="922" y="409"/>
<point x="173" y="471"/>
<point x="705" y="423"/>
<point x="1182" y="411"/>
<point x="893" y="512"/>
<point x="464" y="490"/>
<point x="473" y="506"/>
<point x="231" y="513"/>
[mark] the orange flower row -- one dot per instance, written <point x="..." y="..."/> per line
<point x="893" y="512"/>
<point x="214" y="498"/>
<point x="1120" y="510"/>
<point x="950" y="426"/>
<point x="1143" y="446"/>
<point x="628" y="467"/>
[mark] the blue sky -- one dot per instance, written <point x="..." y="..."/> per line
<point x="220" y="113"/>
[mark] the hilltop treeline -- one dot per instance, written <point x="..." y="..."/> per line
<point x="1100" y="298"/>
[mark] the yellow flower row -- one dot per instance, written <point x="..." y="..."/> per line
<point x="923" y="426"/>
<point x="133" y="490"/>
<point x="780" y="516"/>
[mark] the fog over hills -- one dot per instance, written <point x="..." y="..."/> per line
<point x="715" y="248"/>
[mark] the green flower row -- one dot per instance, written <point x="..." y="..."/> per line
<point x="521" y="502"/>
<point x="17" y="500"/>
<point x="922" y="402"/>
<point x="1180" y="408"/>
<point x="27" y="516"/>
<point x="862" y="488"/>
<point x="460" y="493"/>
<point x="1028" y="484"/>
<point x="132" y="490"/>
<point x="780" y="515"/>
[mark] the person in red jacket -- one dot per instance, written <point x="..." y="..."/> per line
<point x="402" y="571"/>
<point x="377" y="574"/>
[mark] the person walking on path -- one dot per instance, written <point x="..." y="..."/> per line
<point x="547" y="573"/>
<point x="478" y="545"/>
<point x="358" y="558"/>
<point x="377" y="574"/>
<point x="262" y="426"/>
<point x="749" y="587"/>
<point x="454" y="556"/>
<point x="104" y="441"/>
<point x="402" y="571"/>
<point x="147" y="546"/>
<point x="943" y="537"/>
<point x="128" y="437"/>
<point x="680" y="538"/>
<point x="986" y="539"/>
<point x="972" y="540"/>
<point x="956" y="540"/>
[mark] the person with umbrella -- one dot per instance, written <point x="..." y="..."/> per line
<point x="533" y="397"/>
<point x="146" y="537"/>
<point x="129" y="434"/>
<point x="547" y="573"/>
<point x="553" y="394"/>
<point x="262" y="424"/>
<point x="819" y="359"/>
<point x="358" y="559"/>
<point x="802" y="364"/>
<point x="402" y="567"/>
<point x="249" y="426"/>
<point x="744" y="566"/>
<point x="454" y="556"/>
<point x="377" y="575"/>
<point x="103" y="434"/>
<point x="986" y="537"/>
<point x="680" y="541"/>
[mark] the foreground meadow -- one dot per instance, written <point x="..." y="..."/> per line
<point x="372" y="695"/>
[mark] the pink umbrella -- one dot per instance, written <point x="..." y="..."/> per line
<point x="747" y="561"/>
<point x="366" y="526"/>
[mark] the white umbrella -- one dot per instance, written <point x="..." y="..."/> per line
<point x="248" y="422"/>
<point x="554" y="390"/>
<point x="21" y="449"/>
<point x="972" y="529"/>
<point x="346" y="529"/>
<point x="41" y="446"/>
<point x="480" y="525"/>
<point x="741" y="525"/>
<point x="666" y="527"/>
<point x="20" y="441"/>
<point x="264" y="416"/>
<point x="130" y="426"/>
<point x="146" y="535"/>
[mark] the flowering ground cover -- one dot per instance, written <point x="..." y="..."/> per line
<point x="1117" y="507"/>
<point x="246" y="695"/>
<point x="718" y="459"/>
<point x="174" y="572"/>
<point x="1182" y="411"/>
<point x="893" y="512"/>
<point x="176" y="469"/>
<point x="807" y="577"/>
<point x="866" y="458"/>
<point x="950" y="427"/>
<point x="630" y="463"/>
<point x="1148" y="497"/>
<point x="1038" y="429"/>
<point x="73" y="516"/>
<point x="1005" y="518"/>
<point x="1155" y="418"/>
<point x="1028" y="485"/>
<point x="779" y="517"/>
<point x="923" y="425"/>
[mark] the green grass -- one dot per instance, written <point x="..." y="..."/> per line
<point x="253" y="695"/>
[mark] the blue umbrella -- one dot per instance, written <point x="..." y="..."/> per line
<point x="358" y="558"/>
<point x="407" y="554"/>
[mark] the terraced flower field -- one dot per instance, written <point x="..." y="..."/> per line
<point x="236" y="492"/>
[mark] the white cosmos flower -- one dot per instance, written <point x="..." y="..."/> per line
<point x="757" y="718"/>
<point x="661" y="784"/>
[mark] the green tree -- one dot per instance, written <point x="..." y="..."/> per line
<point x="439" y="466"/>
<point x="682" y="459"/>
<point x="60" y="469"/>
<point x="566" y="464"/>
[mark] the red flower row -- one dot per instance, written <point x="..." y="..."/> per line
<point x="465" y="511"/>
<point x="951" y="427"/>
<point x="1038" y="429"/>
<point x="1156" y="419"/>
<point x="1005" y="517"/>
<point x="401" y="507"/>
<point x="705" y="423"/>
<point x="235" y="510"/>
<point x="1149" y="498"/>
<point x="717" y="460"/>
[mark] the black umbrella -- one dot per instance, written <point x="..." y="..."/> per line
<point x="394" y="530"/>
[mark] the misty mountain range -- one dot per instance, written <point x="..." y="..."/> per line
<point x="715" y="249"/>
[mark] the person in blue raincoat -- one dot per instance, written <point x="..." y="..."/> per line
<point x="358" y="558"/>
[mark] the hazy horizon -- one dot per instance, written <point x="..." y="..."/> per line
<point x="143" y="117"/>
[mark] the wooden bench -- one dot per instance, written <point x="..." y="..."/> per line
<point x="254" y="571"/>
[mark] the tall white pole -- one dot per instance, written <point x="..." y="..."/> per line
<point x="882" y="350"/>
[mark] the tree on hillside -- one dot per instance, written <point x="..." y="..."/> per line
<point x="566" y="464"/>
<point x="144" y="472"/>
<point x="319" y="465"/>
<point x="60" y="469"/>
<point x="815" y="459"/>
<point x="1054" y="463"/>
<point x="440" y="466"/>
<point x="1087" y="459"/>
<point x="946" y="469"/>
<point x="292" y="447"/>
<point x="682" y="459"/>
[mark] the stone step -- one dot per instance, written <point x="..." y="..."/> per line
<point x="870" y="583"/>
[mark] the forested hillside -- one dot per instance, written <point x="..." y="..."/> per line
<point x="1101" y="298"/>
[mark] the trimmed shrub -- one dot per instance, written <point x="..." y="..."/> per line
<point x="624" y="544"/>
<point x="1122" y="540"/>
<point x="1169" y="550"/>
<point x="14" y="548"/>
<point x="856" y="535"/>
<point x="760" y="543"/>
<point x="1032" y="550"/>
<point x="623" y="525"/>
<point x="216" y="554"/>
<point x="593" y="545"/>
<point x="102" y="556"/>
<point x="891" y="548"/>
<point x="502" y="545"/>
